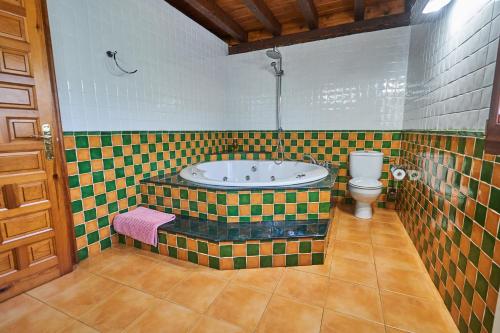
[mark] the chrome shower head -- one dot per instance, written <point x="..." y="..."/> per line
<point x="273" y="54"/>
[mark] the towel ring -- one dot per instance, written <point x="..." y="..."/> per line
<point x="112" y="54"/>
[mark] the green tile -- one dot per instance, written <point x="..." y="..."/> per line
<point x="266" y="261"/>
<point x="324" y="207"/>
<point x="305" y="247"/>
<point x="100" y="199"/>
<point x="279" y="248"/>
<point x="244" y="199"/>
<point x="468" y="292"/>
<point x="480" y="214"/>
<point x="252" y="249"/>
<point x="82" y="254"/>
<point x="76" y="206"/>
<point x="87" y="191"/>
<point x="318" y="258"/>
<point x="97" y="177"/>
<point x="172" y="252"/>
<point x="79" y="230"/>
<point x="268" y="198"/>
<point x="226" y="251"/>
<point x="495" y="276"/>
<point x="84" y="167"/>
<point x="488" y="244"/>
<point x="193" y="257"/>
<point x="256" y="210"/>
<point x="479" y="148"/>
<point x="93" y="237"/>
<point x="313" y="196"/>
<point x="203" y="247"/>
<point x="292" y="260"/>
<point x="291" y="197"/>
<point x="73" y="181"/>
<point x="182" y="242"/>
<point x="95" y="153"/>
<point x="71" y="155"/>
<point x="481" y="286"/>
<point x="82" y="142"/>
<point x="239" y="262"/>
<point x="302" y="208"/>
<point x="221" y="199"/>
<point x="495" y="199"/>
<point x="279" y="208"/>
<point x="487" y="171"/>
<point x="213" y="262"/>
<point x="232" y="211"/>
<point x="474" y="254"/>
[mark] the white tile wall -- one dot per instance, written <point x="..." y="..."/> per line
<point x="451" y="65"/>
<point x="353" y="82"/>
<point x="186" y="81"/>
<point x="180" y="80"/>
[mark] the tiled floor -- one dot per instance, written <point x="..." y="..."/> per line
<point x="372" y="281"/>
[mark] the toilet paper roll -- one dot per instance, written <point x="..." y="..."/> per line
<point x="398" y="174"/>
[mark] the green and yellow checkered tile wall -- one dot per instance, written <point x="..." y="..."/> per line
<point x="105" y="168"/>
<point x="452" y="213"/>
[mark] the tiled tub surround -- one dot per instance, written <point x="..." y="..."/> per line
<point x="105" y="168"/>
<point x="452" y="214"/>
<point x="230" y="206"/>
<point x="228" y="255"/>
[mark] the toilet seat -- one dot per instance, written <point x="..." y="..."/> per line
<point x="365" y="183"/>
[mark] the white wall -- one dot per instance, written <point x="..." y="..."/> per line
<point x="186" y="81"/>
<point x="451" y="66"/>
<point x="352" y="82"/>
<point x="179" y="84"/>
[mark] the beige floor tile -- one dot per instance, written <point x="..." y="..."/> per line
<point x="159" y="280"/>
<point x="166" y="317"/>
<point x="103" y="259"/>
<point x="389" y="329"/>
<point x="403" y="281"/>
<point x="414" y="314"/>
<point x="83" y="296"/>
<point x="352" y="234"/>
<point x="355" y="300"/>
<point x="305" y="287"/>
<point x="61" y="284"/>
<point x="317" y="269"/>
<point x="334" y="322"/>
<point x="207" y="324"/>
<point x="402" y="259"/>
<point x="16" y="307"/>
<point x="120" y="309"/>
<point x="197" y="291"/>
<point x="262" y="278"/>
<point x="353" y="250"/>
<point x="388" y="228"/>
<point x="354" y="271"/>
<point x="128" y="270"/>
<point x="394" y="241"/>
<point x="78" y="327"/>
<point x="285" y="315"/>
<point x="38" y="319"/>
<point x="240" y="306"/>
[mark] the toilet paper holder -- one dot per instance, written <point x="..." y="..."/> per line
<point x="398" y="172"/>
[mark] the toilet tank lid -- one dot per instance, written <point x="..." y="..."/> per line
<point x="366" y="153"/>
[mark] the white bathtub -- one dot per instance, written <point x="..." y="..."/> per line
<point x="247" y="173"/>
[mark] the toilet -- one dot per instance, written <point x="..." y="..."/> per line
<point x="365" y="168"/>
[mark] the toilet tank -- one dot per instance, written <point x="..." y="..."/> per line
<point x="366" y="164"/>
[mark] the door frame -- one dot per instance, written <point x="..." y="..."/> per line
<point x="69" y="259"/>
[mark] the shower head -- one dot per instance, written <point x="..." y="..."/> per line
<point x="273" y="54"/>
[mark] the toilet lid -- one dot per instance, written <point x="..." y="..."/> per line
<point x="367" y="183"/>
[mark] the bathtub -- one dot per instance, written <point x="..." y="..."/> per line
<point x="253" y="174"/>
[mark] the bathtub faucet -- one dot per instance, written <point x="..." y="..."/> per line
<point x="325" y="164"/>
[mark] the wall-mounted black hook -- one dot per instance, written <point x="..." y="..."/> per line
<point x="112" y="54"/>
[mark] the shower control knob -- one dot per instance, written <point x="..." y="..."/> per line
<point x="254" y="168"/>
<point x="247" y="177"/>
<point x="224" y="179"/>
<point x="273" y="178"/>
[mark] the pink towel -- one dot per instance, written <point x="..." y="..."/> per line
<point x="141" y="224"/>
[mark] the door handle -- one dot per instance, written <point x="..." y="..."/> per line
<point x="48" y="144"/>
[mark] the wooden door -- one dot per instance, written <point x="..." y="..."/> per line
<point x="35" y="235"/>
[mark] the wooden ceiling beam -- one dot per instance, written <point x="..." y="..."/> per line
<point x="309" y="12"/>
<point x="213" y="13"/>
<point x="380" y="23"/>
<point x="264" y="15"/>
<point x="359" y="10"/>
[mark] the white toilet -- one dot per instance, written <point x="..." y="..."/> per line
<point x="365" y="168"/>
